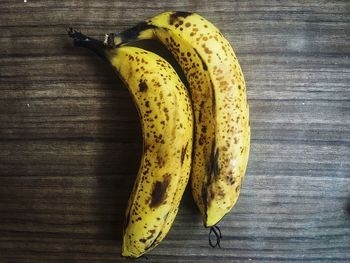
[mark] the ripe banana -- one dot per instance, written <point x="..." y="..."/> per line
<point x="166" y="116"/>
<point x="218" y="93"/>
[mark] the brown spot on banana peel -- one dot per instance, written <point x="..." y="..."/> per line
<point x="200" y="116"/>
<point x="143" y="240"/>
<point x="143" y="86"/>
<point x="160" y="161"/>
<point x="211" y="196"/>
<point x="183" y="153"/>
<point x="159" y="191"/>
<point x="230" y="179"/>
<point x="221" y="194"/>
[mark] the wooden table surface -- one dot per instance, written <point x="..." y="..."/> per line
<point x="70" y="139"/>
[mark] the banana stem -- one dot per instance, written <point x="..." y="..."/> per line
<point x="81" y="40"/>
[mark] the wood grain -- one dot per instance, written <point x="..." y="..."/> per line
<point x="70" y="138"/>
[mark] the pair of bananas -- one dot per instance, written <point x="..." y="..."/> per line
<point x="203" y="130"/>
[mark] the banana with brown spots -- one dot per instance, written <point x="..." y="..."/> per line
<point x="218" y="92"/>
<point x="166" y="116"/>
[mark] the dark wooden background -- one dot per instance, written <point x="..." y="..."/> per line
<point x="70" y="139"/>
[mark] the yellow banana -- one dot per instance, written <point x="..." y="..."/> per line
<point x="218" y="93"/>
<point x="167" y="123"/>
